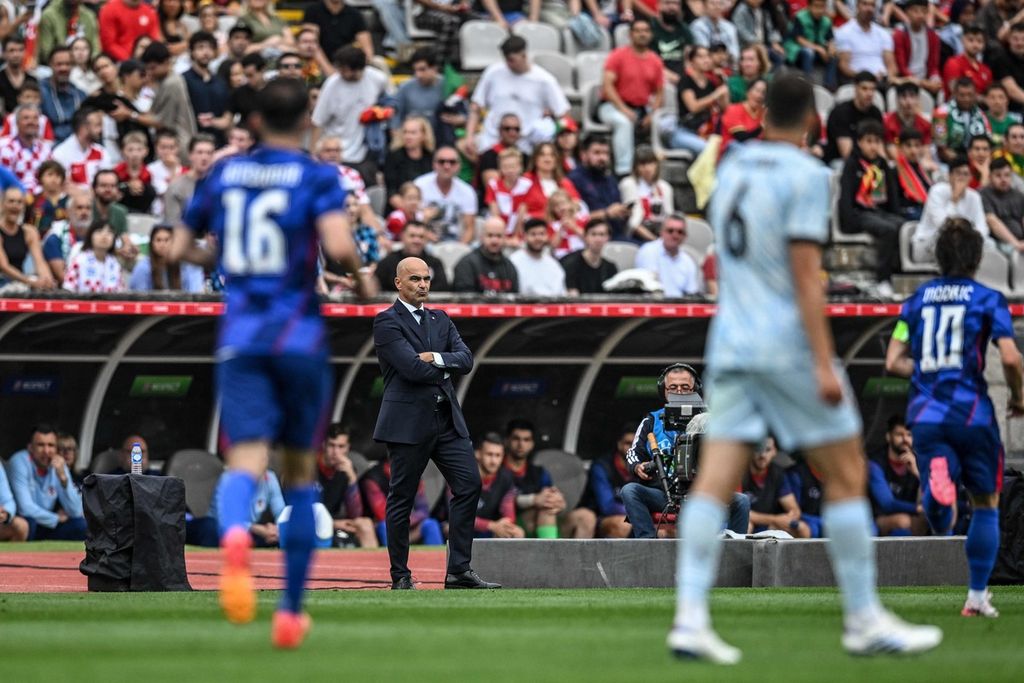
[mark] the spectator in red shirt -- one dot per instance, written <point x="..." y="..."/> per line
<point x="122" y="22"/>
<point x="907" y="115"/>
<point x="496" y="516"/>
<point x="547" y="176"/>
<point x="633" y="88"/>
<point x="743" y="121"/>
<point x="506" y="194"/>
<point x="916" y="49"/>
<point x="968" y="64"/>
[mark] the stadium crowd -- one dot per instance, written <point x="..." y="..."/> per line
<point x="114" y="111"/>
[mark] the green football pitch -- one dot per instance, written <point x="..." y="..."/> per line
<point x="512" y="635"/>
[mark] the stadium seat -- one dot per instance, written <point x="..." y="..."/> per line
<point x="433" y="484"/>
<point x="907" y="262"/>
<point x="359" y="463"/>
<point x="622" y="254"/>
<point x="663" y="152"/>
<point x="1017" y="273"/>
<point x="572" y="48"/>
<point x="621" y="35"/>
<point x="450" y="253"/>
<point x="200" y="471"/>
<point x="699" y="235"/>
<point x="411" y="10"/>
<point x="845" y="92"/>
<point x="377" y="195"/>
<point x="106" y="462"/>
<point x="567" y="474"/>
<point x="591" y="99"/>
<point x="589" y="68"/>
<point x="191" y="22"/>
<point x="480" y="41"/>
<point x="698" y="259"/>
<point x="561" y="67"/>
<point x="837" y="235"/>
<point x="141" y="224"/>
<point x="538" y="37"/>
<point x="823" y="102"/>
<point x="927" y="102"/>
<point x="226" y="22"/>
<point x="994" y="270"/>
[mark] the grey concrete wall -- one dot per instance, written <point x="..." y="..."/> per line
<point x="631" y="563"/>
<point x="621" y="563"/>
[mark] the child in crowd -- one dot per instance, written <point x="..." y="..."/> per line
<point x="506" y="194"/>
<point x="51" y="201"/>
<point x="411" y="200"/>
<point x="152" y="273"/>
<point x="136" y="183"/>
<point x="566" y="222"/>
<point x="166" y="167"/>
<point x="95" y="269"/>
<point x="914" y="180"/>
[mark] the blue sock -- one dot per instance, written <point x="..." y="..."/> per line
<point x="234" y="500"/>
<point x="848" y="526"/>
<point x="431" y="532"/>
<point x="940" y="517"/>
<point x="982" y="546"/>
<point x="900" y="532"/>
<point x="298" y="548"/>
<point x="382" y="533"/>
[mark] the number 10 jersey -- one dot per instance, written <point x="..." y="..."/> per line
<point x="263" y="210"/>
<point x="948" y="323"/>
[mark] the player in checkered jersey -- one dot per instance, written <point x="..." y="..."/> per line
<point x="25" y="152"/>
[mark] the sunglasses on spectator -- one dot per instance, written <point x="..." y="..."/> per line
<point x="447" y="162"/>
<point x="511" y="128"/>
<point x="674" y="231"/>
<point x="290" y="65"/>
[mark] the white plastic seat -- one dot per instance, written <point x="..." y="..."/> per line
<point x="571" y="48"/>
<point x="450" y="253"/>
<point x="561" y="67"/>
<point x="412" y="10"/>
<point x="621" y="35"/>
<point x="838" y="236"/>
<point x="845" y="92"/>
<point x="699" y="235"/>
<point x="538" y="36"/>
<point x="823" y="101"/>
<point x="658" y="144"/>
<point x="589" y="68"/>
<point x="622" y="254"/>
<point x="994" y="270"/>
<point x="480" y="43"/>
<point x="591" y="94"/>
<point x="141" y="224"/>
<point x="907" y="262"/>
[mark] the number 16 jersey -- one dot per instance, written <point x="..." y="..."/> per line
<point x="768" y="195"/>
<point x="948" y="323"/>
<point x="263" y="209"/>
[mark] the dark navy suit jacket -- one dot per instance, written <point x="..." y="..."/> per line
<point x="411" y="387"/>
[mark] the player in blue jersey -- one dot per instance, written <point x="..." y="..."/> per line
<point x="772" y="369"/>
<point x="266" y="211"/>
<point x="940" y="342"/>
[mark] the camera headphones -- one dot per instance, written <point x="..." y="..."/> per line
<point x="675" y="367"/>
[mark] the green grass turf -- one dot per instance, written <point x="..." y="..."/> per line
<point x="523" y="636"/>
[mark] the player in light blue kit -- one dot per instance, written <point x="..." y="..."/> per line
<point x="940" y="342"/>
<point x="266" y="211"/>
<point x="773" y="369"/>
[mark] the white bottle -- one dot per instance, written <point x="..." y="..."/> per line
<point x="136" y="458"/>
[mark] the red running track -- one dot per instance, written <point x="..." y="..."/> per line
<point x="57" y="572"/>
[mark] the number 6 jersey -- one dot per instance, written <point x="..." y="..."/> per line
<point x="768" y="195"/>
<point x="948" y="323"/>
<point x="263" y="209"/>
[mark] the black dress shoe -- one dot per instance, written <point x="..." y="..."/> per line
<point x="403" y="584"/>
<point x="468" y="579"/>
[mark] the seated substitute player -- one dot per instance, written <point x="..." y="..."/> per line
<point x="644" y="496"/>
<point x="339" y="488"/>
<point x="375" y="485"/>
<point x="773" y="506"/>
<point x="940" y="342"/>
<point x="773" y="368"/>
<point x="895" y="484"/>
<point x="603" y="495"/>
<point x="806" y="484"/>
<point x="496" y="513"/>
<point x="266" y="507"/>
<point x="266" y="211"/>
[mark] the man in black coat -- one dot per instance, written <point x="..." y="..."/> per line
<point x="420" y="419"/>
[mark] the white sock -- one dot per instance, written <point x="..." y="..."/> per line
<point x="848" y="525"/>
<point x="976" y="597"/>
<point x="699" y="549"/>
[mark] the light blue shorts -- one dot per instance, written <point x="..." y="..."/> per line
<point x="747" y="406"/>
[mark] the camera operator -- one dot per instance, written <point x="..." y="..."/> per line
<point x="644" y="497"/>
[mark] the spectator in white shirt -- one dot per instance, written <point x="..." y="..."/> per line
<point x="666" y="258"/>
<point x="81" y="153"/>
<point x="343" y="99"/>
<point x="453" y="198"/>
<point x="515" y="86"/>
<point x="945" y="200"/>
<point x="540" y="274"/>
<point x="863" y="45"/>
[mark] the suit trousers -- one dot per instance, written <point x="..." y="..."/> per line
<point x="453" y="455"/>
